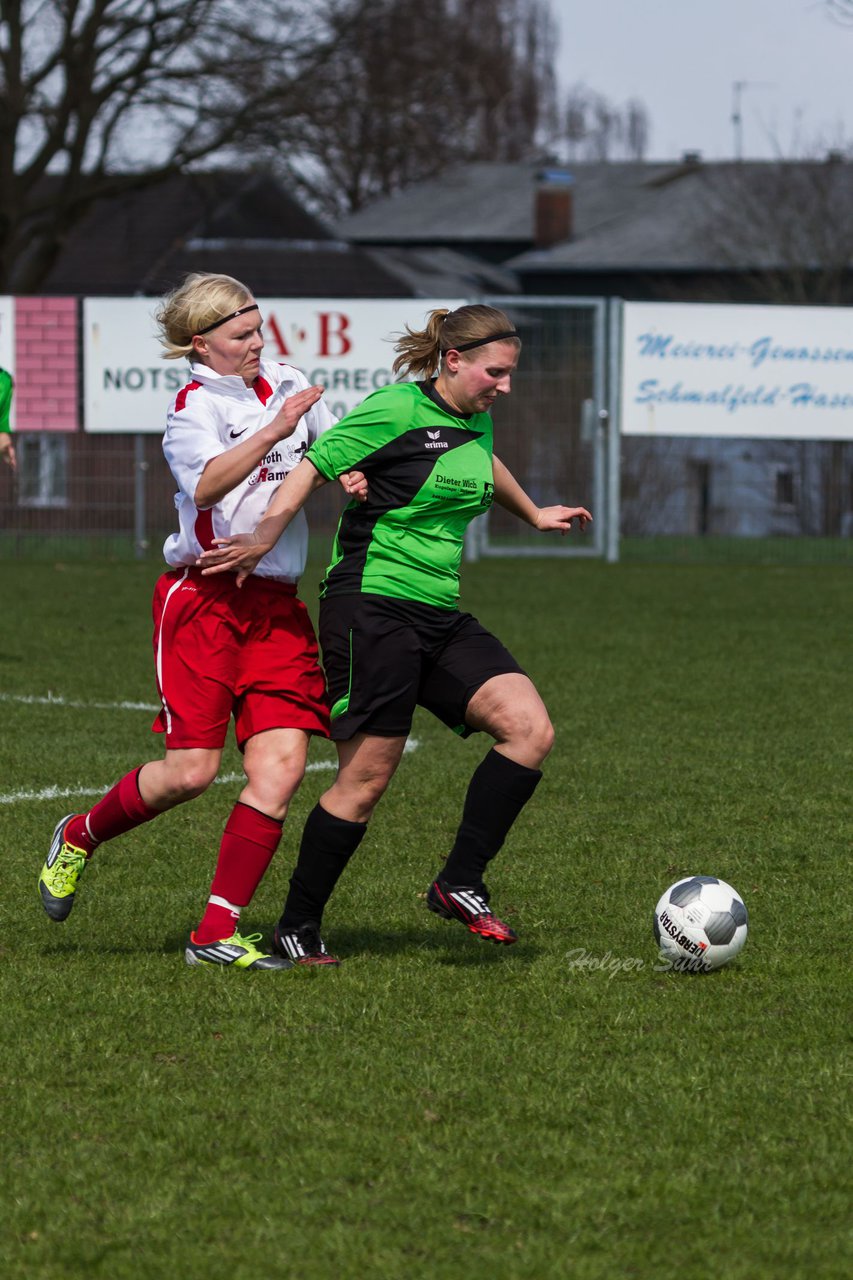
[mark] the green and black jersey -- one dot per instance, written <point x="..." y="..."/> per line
<point x="429" y="472"/>
<point x="6" y="385"/>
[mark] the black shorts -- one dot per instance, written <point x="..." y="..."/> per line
<point x="384" y="656"/>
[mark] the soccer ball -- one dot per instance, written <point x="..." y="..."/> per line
<point x="700" y="923"/>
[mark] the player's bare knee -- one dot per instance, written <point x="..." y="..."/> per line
<point x="545" y="738"/>
<point x="273" y="792"/>
<point x="192" y="780"/>
<point x="527" y="733"/>
<point x="371" y="789"/>
<point x="538" y="738"/>
<point x="357" y="797"/>
<point x="191" y="787"/>
<point x="290" y="780"/>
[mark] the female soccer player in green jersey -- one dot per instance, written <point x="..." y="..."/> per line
<point x="391" y="632"/>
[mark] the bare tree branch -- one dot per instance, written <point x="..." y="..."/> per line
<point x="411" y="89"/>
<point x="840" y="10"/>
<point x="351" y="99"/>
<point x="788" y="222"/>
<point x="594" y="128"/>
<point x="94" y="90"/>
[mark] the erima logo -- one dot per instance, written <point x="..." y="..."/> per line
<point x="435" y="442"/>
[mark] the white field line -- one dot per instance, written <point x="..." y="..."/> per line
<point x="64" y="793"/>
<point x="56" y="700"/>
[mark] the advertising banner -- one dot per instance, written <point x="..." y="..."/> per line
<point x="691" y="369"/>
<point x="346" y="346"/>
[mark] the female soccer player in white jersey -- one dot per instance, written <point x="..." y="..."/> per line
<point x="238" y="426"/>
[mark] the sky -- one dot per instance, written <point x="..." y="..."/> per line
<point x="681" y="58"/>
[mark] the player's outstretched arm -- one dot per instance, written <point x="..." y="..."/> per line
<point x="241" y="553"/>
<point x="510" y="495"/>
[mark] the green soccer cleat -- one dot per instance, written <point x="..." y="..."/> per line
<point x="238" y="952"/>
<point x="60" y="873"/>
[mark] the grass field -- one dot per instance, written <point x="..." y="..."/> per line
<point x="676" y="549"/>
<point x="438" y="1107"/>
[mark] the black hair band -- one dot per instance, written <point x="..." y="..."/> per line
<point x="251" y="306"/>
<point x="481" y="342"/>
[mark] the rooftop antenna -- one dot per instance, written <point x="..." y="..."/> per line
<point x="738" y="87"/>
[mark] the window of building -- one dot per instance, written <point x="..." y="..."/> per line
<point x="784" y="488"/>
<point x="42" y="469"/>
<point x="702" y="487"/>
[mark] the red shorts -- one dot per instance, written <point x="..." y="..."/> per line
<point x="220" y="649"/>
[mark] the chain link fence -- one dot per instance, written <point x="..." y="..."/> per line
<point x="77" y="495"/>
<point x="551" y="432"/>
<point x="661" y="498"/>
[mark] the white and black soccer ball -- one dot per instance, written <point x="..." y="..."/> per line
<point x="700" y="924"/>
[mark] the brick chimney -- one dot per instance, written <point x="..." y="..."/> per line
<point x="554" y="212"/>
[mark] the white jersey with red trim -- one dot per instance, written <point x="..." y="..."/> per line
<point x="215" y="412"/>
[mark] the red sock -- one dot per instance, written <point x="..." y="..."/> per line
<point x="220" y="920"/>
<point x="121" y="809"/>
<point x="248" y="843"/>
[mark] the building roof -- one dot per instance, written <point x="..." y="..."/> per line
<point x="479" y="201"/>
<point x="470" y="231"/>
<point x="757" y="215"/>
<point x="245" y="224"/>
<point x="435" y="271"/>
<point x="485" y="201"/>
<point x="625" y="216"/>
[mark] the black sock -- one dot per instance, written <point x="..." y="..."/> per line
<point x="327" y="845"/>
<point x="498" y="791"/>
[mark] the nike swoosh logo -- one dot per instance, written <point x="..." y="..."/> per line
<point x="236" y="434"/>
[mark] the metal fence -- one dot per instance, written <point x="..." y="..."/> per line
<point x="553" y="432"/>
<point x="100" y="495"/>
<point x="653" y="498"/>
